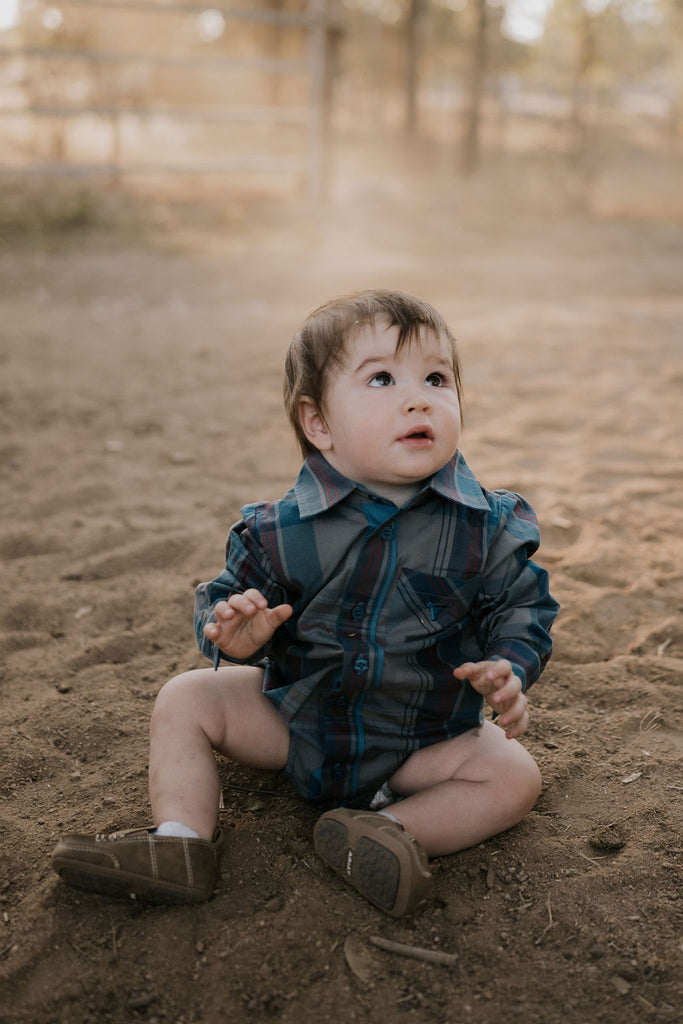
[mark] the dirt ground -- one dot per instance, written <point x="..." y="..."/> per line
<point x="140" y="404"/>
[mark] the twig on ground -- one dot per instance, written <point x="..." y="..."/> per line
<point x="591" y="860"/>
<point x="551" y="924"/>
<point x="430" y="956"/>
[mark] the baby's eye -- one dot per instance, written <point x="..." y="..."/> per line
<point x="437" y="380"/>
<point x="381" y="380"/>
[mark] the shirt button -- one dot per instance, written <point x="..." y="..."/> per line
<point x="387" y="532"/>
<point x="341" y="703"/>
<point x="358" y="612"/>
<point x="361" y="664"/>
<point x="338" y="771"/>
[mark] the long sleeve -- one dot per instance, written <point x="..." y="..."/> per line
<point x="516" y="609"/>
<point x="246" y="567"/>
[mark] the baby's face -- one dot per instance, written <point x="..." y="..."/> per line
<point x="391" y="419"/>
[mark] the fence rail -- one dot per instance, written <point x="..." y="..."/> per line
<point x="227" y="165"/>
<point x="266" y="64"/>
<point x="244" y="115"/>
<point x="284" y="18"/>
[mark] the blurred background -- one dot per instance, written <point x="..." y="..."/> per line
<point x="570" y="102"/>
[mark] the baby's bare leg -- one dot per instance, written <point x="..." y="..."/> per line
<point x="196" y="714"/>
<point x="464" y="790"/>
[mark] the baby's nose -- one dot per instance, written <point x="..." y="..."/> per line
<point x="417" y="402"/>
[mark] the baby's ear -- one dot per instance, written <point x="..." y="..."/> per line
<point x="313" y="425"/>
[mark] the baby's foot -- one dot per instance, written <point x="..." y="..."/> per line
<point x="138" y="864"/>
<point x="376" y="856"/>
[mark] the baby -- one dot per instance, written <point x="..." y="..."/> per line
<point x="364" y="619"/>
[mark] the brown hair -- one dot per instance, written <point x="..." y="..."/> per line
<point x="318" y="348"/>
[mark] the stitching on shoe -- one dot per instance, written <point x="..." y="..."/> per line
<point x="85" y="848"/>
<point x="153" y="858"/>
<point x="188" y="862"/>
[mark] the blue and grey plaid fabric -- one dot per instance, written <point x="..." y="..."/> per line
<point x="387" y="602"/>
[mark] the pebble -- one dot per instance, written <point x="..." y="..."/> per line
<point x="621" y="984"/>
<point x="607" y="837"/>
<point x="141" y="1002"/>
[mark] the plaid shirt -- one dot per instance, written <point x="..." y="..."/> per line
<point x="387" y="602"/>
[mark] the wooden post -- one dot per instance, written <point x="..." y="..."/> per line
<point x="317" y="11"/>
<point x="412" y="57"/>
<point x="471" y="141"/>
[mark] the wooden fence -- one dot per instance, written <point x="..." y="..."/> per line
<point x="81" y="93"/>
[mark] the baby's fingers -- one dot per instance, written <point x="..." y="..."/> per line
<point x="515" y="720"/>
<point x="472" y="670"/>
<point x="485" y="676"/>
<point x="212" y="630"/>
<point x="247" y="604"/>
<point x="279" y="614"/>
<point x="508" y="692"/>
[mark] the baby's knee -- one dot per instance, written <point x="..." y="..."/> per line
<point x="534" y="781"/>
<point x="524" y="779"/>
<point x="178" y="696"/>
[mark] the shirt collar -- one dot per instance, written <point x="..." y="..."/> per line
<point x="320" y="487"/>
<point x="457" y="482"/>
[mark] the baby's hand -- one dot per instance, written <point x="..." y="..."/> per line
<point x="502" y="690"/>
<point x="244" y="623"/>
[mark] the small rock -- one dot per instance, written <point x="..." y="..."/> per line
<point x="607" y="837"/>
<point x="562" y="522"/>
<point x="141" y="1002"/>
<point x="621" y="984"/>
<point x="458" y="912"/>
<point x="358" y="959"/>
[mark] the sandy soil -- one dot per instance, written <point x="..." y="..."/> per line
<point x="140" y="408"/>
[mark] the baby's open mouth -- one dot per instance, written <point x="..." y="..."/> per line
<point x="419" y="434"/>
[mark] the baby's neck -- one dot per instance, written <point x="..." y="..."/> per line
<point x="399" y="494"/>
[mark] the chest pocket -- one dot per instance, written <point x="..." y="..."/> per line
<point x="435" y="605"/>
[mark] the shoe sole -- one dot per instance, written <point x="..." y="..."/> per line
<point x="128" y="886"/>
<point x="377" y="870"/>
<point x="386" y="870"/>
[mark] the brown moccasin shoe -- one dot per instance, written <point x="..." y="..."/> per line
<point x="376" y="856"/>
<point x="138" y="864"/>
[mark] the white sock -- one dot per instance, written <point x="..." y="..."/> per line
<point x="390" y="816"/>
<point x="177" y="829"/>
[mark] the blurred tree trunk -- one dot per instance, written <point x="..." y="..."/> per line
<point x="415" y="8"/>
<point x="276" y="52"/>
<point x="585" y="58"/>
<point x="471" y="140"/>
